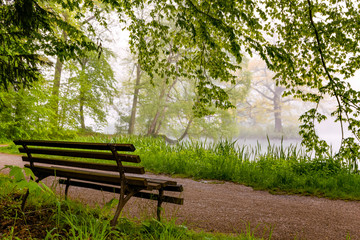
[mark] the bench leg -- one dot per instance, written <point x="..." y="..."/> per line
<point x="160" y="201"/>
<point x="27" y="195"/>
<point x="24" y="200"/>
<point x="67" y="187"/>
<point x="122" y="201"/>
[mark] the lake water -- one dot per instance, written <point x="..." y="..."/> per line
<point x="327" y="130"/>
<point x="334" y="141"/>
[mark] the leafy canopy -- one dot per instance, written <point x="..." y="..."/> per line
<point x="27" y="38"/>
<point x="318" y="47"/>
<point x="310" y="43"/>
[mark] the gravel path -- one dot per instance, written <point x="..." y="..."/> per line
<point x="232" y="208"/>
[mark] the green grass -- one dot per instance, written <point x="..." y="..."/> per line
<point x="277" y="169"/>
<point x="48" y="217"/>
<point x="11" y="148"/>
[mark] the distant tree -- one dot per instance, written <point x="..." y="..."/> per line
<point x="25" y="113"/>
<point x="80" y="24"/>
<point x="165" y="109"/>
<point x="90" y="89"/>
<point x="265" y="87"/>
<point x="135" y="99"/>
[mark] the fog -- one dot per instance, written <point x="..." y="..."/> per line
<point x="117" y="41"/>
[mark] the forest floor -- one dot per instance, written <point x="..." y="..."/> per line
<point x="216" y="206"/>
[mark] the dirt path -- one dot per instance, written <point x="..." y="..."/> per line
<point x="231" y="208"/>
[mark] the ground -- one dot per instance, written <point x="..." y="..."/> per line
<point x="227" y="207"/>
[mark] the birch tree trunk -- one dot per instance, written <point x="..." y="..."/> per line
<point x="135" y="100"/>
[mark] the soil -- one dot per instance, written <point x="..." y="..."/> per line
<point x="30" y="224"/>
<point x="226" y="207"/>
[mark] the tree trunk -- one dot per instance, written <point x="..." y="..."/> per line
<point x="81" y="113"/>
<point x="18" y="109"/>
<point x="56" y="88"/>
<point x="277" y="109"/>
<point x="152" y="130"/>
<point x="82" y="95"/>
<point x="161" y="109"/>
<point x="169" y="140"/>
<point x="162" y="117"/>
<point x="152" y="127"/>
<point x="154" y="122"/>
<point x="135" y="100"/>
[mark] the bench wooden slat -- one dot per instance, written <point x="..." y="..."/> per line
<point x="87" y="165"/>
<point x="175" y="188"/>
<point x="145" y="195"/>
<point x="162" y="181"/>
<point x="81" y="154"/>
<point x="80" y="145"/>
<point x="153" y="196"/>
<point x="88" y="175"/>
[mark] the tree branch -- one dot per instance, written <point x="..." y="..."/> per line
<point x="265" y="96"/>
<point x="332" y="83"/>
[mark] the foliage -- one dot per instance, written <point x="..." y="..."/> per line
<point x="27" y="33"/>
<point x="207" y="34"/>
<point x="316" y="46"/>
<point x="11" y="148"/>
<point x="25" y="113"/>
<point x="22" y="178"/>
<point x="89" y="90"/>
<point x="166" y="108"/>
<point x="310" y="50"/>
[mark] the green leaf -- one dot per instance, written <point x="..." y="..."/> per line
<point x="17" y="173"/>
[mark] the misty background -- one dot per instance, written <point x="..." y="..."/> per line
<point x="255" y="114"/>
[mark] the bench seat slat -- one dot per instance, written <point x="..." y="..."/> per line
<point x="88" y="165"/>
<point x="88" y="175"/>
<point x="174" y="188"/>
<point x="162" y="181"/>
<point x="145" y="195"/>
<point x="80" y="145"/>
<point x="153" y="196"/>
<point x="81" y="154"/>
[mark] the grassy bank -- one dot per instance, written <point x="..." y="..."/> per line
<point x="277" y="169"/>
<point x="48" y="217"/>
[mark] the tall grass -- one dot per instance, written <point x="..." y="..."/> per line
<point x="48" y="217"/>
<point x="277" y="169"/>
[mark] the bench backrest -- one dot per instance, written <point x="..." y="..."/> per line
<point x="53" y="153"/>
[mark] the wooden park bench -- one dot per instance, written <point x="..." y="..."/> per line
<point x="61" y="159"/>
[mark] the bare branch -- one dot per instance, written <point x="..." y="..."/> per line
<point x="265" y="96"/>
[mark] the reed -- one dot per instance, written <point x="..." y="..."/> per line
<point x="275" y="168"/>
